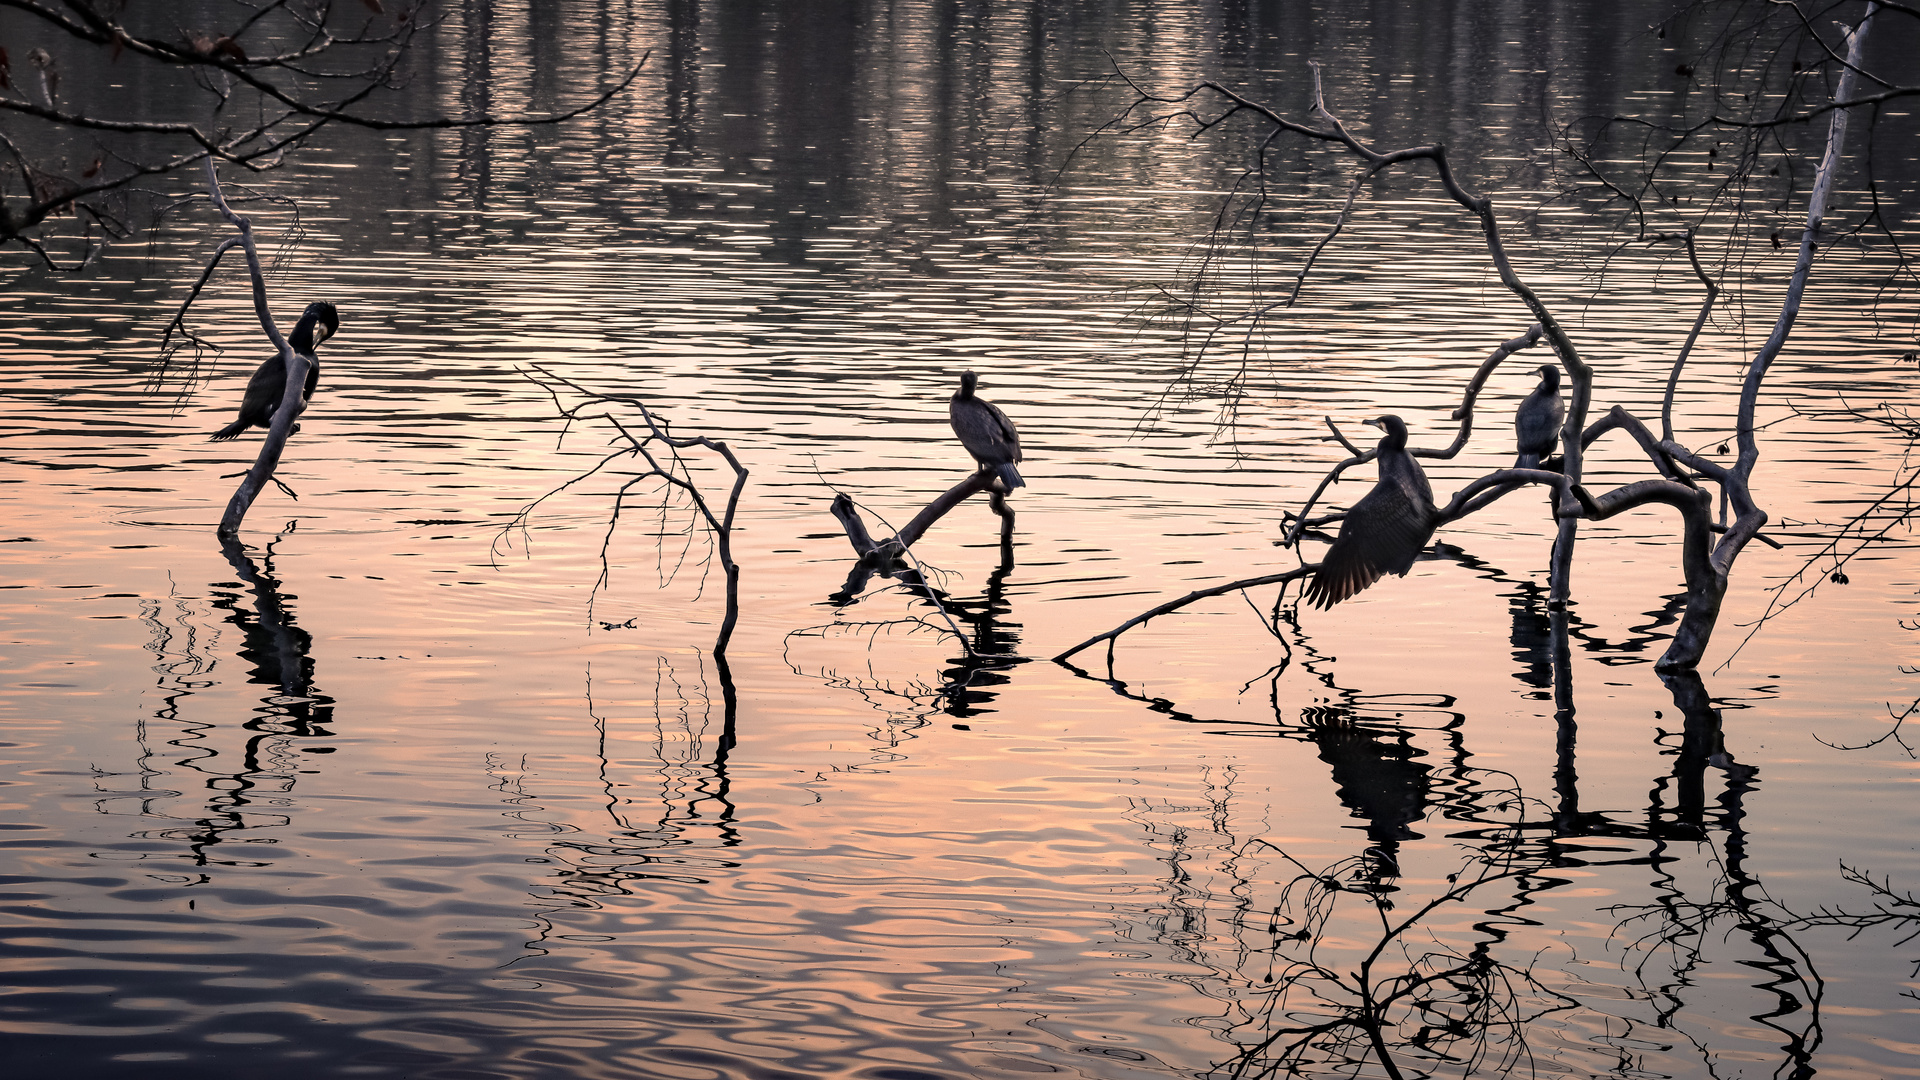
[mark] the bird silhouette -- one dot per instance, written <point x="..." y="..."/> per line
<point x="269" y="383"/>
<point x="986" y="433"/>
<point x="1386" y="530"/>
<point x="1536" y="424"/>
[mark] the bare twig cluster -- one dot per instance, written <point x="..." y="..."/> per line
<point x="75" y="152"/>
<point x="1710" y="546"/>
<point x="1409" y="1004"/>
<point x="650" y="443"/>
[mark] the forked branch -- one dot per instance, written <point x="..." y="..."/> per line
<point x="666" y="465"/>
<point x="292" y="402"/>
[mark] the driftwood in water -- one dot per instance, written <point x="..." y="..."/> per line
<point x="890" y="551"/>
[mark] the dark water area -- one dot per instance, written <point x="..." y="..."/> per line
<point x="400" y="786"/>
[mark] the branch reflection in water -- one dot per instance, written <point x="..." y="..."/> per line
<point x="894" y="680"/>
<point x="1364" y="964"/>
<point x="244" y="786"/>
<point x="663" y="779"/>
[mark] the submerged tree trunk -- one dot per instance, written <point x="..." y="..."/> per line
<point x="1708" y="574"/>
<point x="293" y="401"/>
<point x="284" y="419"/>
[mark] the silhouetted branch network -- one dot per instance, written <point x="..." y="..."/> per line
<point x="1709" y="547"/>
<point x="650" y="443"/>
<point x="1475" y="496"/>
<point x="263" y="82"/>
<point x="1413" y="1002"/>
<point x="1892" y="734"/>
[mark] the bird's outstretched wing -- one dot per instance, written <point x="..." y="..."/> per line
<point x="1383" y="534"/>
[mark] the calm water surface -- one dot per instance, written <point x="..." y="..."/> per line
<point x="397" y="791"/>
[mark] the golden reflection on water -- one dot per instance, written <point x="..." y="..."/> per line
<point x="369" y="794"/>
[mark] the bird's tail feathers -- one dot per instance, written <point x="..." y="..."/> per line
<point x="1010" y="476"/>
<point x="231" y="431"/>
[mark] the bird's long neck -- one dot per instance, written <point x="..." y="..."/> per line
<point x="302" y="337"/>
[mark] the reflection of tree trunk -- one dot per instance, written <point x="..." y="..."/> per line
<point x="723" y="747"/>
<point x="1703" y="743"/>
<point x="677" y="801"/>
<point x="1566" y="781"/>
<point x="281" y="652"/>
<point x="682" y="90"/>
<point x="1792" y="981"/>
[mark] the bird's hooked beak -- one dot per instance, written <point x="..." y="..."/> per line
<point x="1375" y="422"/>
<point x="326" y="320"/>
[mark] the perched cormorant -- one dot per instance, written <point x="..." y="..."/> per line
<point x="1386" y="530"/>
<point x="269" y="383"/>
<point x="986" y="433"/>
<point x="1536" y="426"/>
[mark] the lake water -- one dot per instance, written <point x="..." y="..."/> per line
<point x="403" y="790"/>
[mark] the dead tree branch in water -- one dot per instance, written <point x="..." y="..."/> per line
<point x="293" y="401"/>
<point x="673" y="473"/>
<point x="892" y="550"/>
<point x="893" y="557"/>
<point x="262" y="83"/>
<point x="1113" y="635"/>
<point x="1710" y="548"/>
<point x="1475" y="496"/>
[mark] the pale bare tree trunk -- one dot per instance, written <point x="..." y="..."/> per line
<point x="292" y="403"/>
<point x="1708" y="574"/>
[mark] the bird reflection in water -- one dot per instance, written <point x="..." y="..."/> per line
<point x="291" y="714"/>
<point x="1448" y="984"/>
<point x="1377" y="775"/>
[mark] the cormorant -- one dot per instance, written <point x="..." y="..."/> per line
<point x="1536" y="426"/>
<point x="1386" y="530"/>
<point x="269" y="383"/>
<point x="986" y="433"/>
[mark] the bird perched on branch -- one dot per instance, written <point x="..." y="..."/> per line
<point x="269" y="383"/>
<point x="1386" y="530"/>
<point x="1536" y="425"/>
<point x="986" y="433"/>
